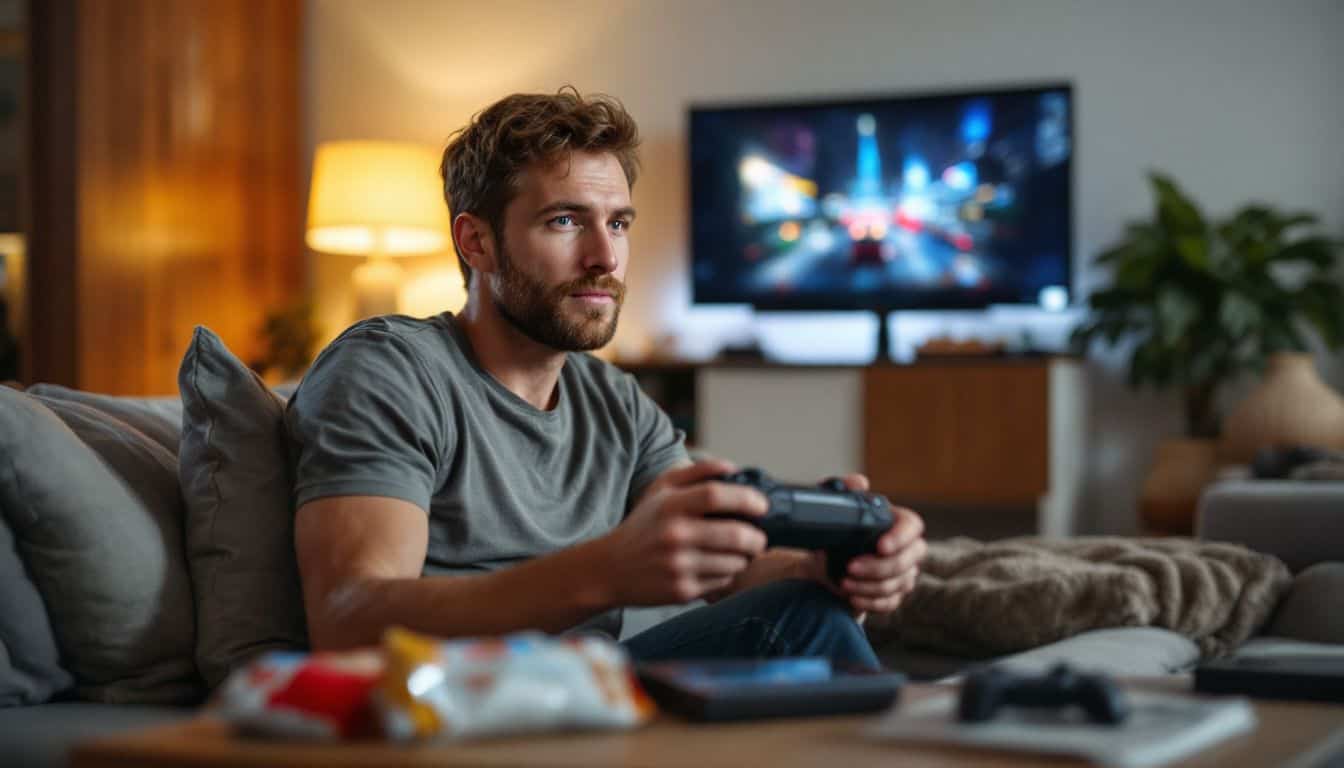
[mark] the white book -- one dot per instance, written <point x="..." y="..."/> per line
<point x="1161" y="728"/>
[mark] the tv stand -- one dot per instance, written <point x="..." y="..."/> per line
<point x="883" y="338"/>
<point x="1002" y="435"/>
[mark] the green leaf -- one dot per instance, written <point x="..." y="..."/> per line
<point x="1321" y="303"/>
<point x="1293" y="220"/>
<point x="1151" y="363"/>
<point x="1175" y="312"/>
<point x="1318" y="251"/>
<point x="1194" y="251"/>
<point x="1136" y="272"/>
<point x="1238" y="315"/>
<point x="1175" y="211"/>
<point x="1113" y="298"/>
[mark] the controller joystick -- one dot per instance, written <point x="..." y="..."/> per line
<point x="987" y="691"/>
<point x="828" y="517"/>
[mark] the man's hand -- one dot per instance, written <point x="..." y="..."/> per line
<point x="879" y="582"/>
<point x="666" y="551"/>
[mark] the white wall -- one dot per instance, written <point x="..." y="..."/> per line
<point x="1237" y="100"/>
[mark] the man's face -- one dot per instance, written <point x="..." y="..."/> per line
<point x="563" y="252"/>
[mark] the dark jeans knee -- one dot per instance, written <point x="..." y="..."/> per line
<point x="809" y="620"/>
<point x="785" y="618"/>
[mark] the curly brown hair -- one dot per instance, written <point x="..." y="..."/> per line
<point x="483" y="159"/>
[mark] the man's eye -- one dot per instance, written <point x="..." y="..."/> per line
<point x="620" y="225"/>
<point x="563" y="221"/>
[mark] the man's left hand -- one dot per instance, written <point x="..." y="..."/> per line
<point x="879" y="582"/>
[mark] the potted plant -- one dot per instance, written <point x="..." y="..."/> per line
<point x="1203" y="301"/>
<point x="289" y="338"/>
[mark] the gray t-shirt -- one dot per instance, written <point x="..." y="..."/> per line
<point x="399" y="407"/>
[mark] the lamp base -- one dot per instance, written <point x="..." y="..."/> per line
<point x="376" y="283"/>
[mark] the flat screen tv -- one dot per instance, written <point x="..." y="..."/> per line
<point x="941" y="200"/>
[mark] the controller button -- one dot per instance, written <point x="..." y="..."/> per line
<point x="834" y="484"/>
<point x="750" y="476"/>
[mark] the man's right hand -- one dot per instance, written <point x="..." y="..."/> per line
<point x="666" y="551"/>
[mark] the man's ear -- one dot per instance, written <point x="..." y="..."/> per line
<point x="476" y="242"/>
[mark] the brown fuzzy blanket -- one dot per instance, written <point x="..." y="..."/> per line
<point x="987" y="599"/>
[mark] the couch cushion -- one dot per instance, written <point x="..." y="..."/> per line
<point x="1314" y="608"/>
<point x="30" y="666"/>
<point x="1123" y="651"/>
<point x="1126" y="651"/>
<point x="95" y="508"/>
<point x="1267" y="647"/>
<point x="158" y="418"/>
<point x="1301" y="523"/>
<point x="240" y="525"/>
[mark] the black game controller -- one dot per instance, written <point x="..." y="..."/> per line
<point x="827" y="517"/>
<point x="986" y="691"/>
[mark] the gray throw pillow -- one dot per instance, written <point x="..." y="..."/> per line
<point x="95" y="509"/>
<point x="235" y="476"/>
<point x="1313" y="610"/>
<point x="158" y="418"/>
<point x="30" y="664"/>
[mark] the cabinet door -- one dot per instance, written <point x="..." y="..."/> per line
<point x="958" y="433"/>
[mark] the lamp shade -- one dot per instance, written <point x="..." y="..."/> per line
<point x="376" y="197"/>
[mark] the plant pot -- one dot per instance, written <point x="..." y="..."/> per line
<point x="1180" y="471"/>
<point x="1290" y="406"/>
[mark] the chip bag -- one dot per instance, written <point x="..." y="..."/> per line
<point x="321" y="696"/>
<point x="418" y="688"/>
<point x="520" y="683"/>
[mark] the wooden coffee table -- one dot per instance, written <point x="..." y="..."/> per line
<point x="1286" y="731"/>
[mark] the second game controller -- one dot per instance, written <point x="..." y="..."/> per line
<point x="829" y="517"/>
<point x="986" y="691"/>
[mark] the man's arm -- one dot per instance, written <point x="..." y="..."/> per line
<point x="360" y="559"/>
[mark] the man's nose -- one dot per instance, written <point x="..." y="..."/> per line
<point x="599" y="251"/>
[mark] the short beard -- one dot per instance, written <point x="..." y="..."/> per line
<point x="538" y="311"/>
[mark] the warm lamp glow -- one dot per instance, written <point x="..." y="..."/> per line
<point x="432" y="291"/>
<point x="376" y="198"/>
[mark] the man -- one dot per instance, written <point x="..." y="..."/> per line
<point x="473" y="474"/>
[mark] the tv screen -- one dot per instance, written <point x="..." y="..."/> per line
<point x="946" y="200"/>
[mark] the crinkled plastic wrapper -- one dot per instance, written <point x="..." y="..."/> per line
<point x="416" y="688"/>
<point x="321" y="696"/>
<point x="521" y="683"/>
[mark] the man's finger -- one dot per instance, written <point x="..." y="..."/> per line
<point x="909" y="581"/>
<point x="716" y="565"/>
<point x="856" y="482"/>
<point x="725" y="498"/>
<point x="732" y="536"/>
<point x="869" y="567"/>
<point x="696" y="472"/>
<point x="880" y="588"/>
<point x="715" y="583"/>
<point x="875" y="604"/>
<point x="906" y="527"/>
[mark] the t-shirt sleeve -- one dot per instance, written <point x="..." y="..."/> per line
<point x="368" y="421"/>
<point x="659" y="445"/>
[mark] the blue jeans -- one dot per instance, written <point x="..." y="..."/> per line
<point x="783" y="618"/>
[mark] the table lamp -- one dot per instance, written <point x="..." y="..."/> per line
<point x="380" y="199"/>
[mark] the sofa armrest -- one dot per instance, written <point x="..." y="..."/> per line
<point x="1301" y="523"/>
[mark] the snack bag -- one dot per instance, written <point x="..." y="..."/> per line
<point x="520" y="683"/>
<point x="322" y="696"/>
